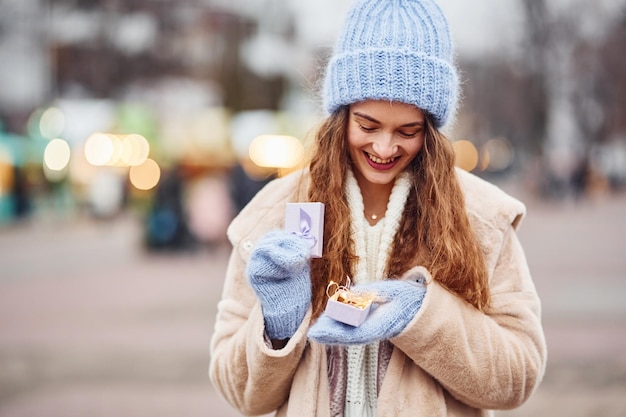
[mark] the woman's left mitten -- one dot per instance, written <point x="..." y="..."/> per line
<point x="397" y="302"/>
<point x="279" y="273"/>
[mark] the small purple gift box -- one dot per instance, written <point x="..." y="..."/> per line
<point x="307" y="220"/>
<point x="348" y="307"/>
<point x="347" y="313"/>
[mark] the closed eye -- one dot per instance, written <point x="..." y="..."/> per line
<point x="366" y="128"/>
<point x="410" y="135"/>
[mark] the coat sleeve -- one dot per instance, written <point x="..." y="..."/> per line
<point x="249" y="374"/>
<point x="493" y="359"/>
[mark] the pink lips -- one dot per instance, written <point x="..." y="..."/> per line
<point x="380" y="167"/>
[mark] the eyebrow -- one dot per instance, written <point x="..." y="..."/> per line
<point x="371" y="119"/>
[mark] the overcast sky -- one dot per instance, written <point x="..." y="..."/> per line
<point x="479" y="27"/>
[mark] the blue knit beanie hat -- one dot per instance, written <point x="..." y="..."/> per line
<point x="396" y="50"/>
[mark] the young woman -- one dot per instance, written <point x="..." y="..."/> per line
<point x="455" y="329"/>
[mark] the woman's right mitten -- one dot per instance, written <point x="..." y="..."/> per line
<point x="279" y="273"/>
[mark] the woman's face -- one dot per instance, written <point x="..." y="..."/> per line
<point x="383" y="139"/>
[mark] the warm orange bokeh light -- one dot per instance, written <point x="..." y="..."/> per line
<point x="145" y="176"/>
<point x="466" y="155"/>
<point x="276" y="151"/>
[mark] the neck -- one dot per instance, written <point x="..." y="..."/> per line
<point x="375" y="198"/>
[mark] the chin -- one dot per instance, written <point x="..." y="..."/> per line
<point x="378" y="179"/>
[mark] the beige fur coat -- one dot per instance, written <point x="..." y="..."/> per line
<point x="451" y="360"/>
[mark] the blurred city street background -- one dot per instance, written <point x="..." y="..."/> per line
<point x="131" y="133"/>
<point x="92" y="324"/>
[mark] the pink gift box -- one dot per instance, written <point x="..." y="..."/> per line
<point x="346" y="313"/>
<point x="307" y="220"/>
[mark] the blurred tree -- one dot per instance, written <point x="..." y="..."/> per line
<point x="600" y="96"/>
<point x="242" y="88"/>
<point x="509" y="111"/>
<point x="537" y="70"/>
<point x="188" y="39"/>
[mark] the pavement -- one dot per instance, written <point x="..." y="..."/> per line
<point x="92" y="324"/>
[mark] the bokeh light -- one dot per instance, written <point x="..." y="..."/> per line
<point x="134" y="150"/>
<point x="466" y="155"/>
<point x="276" y="151"/>
<point x="116" y="151"/>
<point x="496" y="155"/>
<point x="51" y="123"/>
<point x="145" y="176"/>
<point x="57" y="155"/>
<point x="98" y="149"/>
<point x="106" y="149"/>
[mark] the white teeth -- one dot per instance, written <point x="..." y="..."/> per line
<point x="380" y="161"/>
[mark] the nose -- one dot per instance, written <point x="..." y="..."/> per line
<point x="385" y="146"/>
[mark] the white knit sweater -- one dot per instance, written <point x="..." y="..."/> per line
<point x="373" y="245"/>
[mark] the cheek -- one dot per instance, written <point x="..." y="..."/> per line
<point x="415" y="147"/>
<point x="353" y="136"/>
<point x="356" y="140"/>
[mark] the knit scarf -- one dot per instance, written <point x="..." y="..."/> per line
<point x="343" y="374"/>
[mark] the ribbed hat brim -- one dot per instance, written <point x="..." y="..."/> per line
<point x="395" y="75"/>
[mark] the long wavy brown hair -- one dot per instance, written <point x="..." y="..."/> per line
<point x="434" y="231"/>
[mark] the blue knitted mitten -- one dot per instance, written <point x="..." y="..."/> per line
<point x="396" y="304"/>
<point x="279" y="273"/>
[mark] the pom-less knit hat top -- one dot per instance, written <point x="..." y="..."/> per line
<point x="396" y="50"/>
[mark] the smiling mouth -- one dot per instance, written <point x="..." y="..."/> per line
<point x="379" y="161"/>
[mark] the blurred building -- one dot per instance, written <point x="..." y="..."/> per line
<point x="180" y="72"/>
<point x="172" y="71"/>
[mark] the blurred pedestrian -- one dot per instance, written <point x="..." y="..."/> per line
<point x="455" y="329"/>
<point x="243" y="186"/>
<point x="166" y="223"/>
